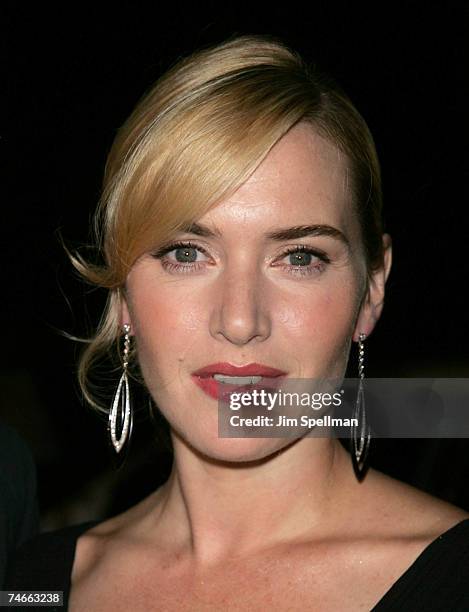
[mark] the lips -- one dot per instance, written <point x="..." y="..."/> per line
<point x="228" y="369"/>
<point x="203" y="378"/>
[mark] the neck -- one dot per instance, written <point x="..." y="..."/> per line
<point x="218" y="510"/>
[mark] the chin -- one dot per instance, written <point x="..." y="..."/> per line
<point x="236" y="450"/>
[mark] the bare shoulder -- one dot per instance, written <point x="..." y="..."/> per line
<point x="397" y="505"/>
<point x="389" y="525"/>
<point x="108" y="537"/>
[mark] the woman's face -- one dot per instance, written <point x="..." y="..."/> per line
<point x="261" y="285"/>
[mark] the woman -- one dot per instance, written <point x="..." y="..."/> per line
<point x="242" y="237"/>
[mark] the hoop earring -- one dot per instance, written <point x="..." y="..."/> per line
<point x="121" y="417"/>
<point x="360" y="447"/>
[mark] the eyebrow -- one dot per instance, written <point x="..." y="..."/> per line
<point x="289" y="233"/>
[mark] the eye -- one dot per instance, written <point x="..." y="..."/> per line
<point x="303" y="260"/>
<point x="300" y="258"/>
<point x="186" y="254"/>
<point x="185" y="257"/>
<point x="181" y="257"/>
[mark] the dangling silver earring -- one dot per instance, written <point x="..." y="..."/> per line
<point x="361" y="446"/>
<point x="120" y="416"/>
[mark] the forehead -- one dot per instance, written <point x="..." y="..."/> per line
<point x="304" y="178"/>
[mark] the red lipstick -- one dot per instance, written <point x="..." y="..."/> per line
<point x="203" y="378"/>
<point x="251" y="369"/>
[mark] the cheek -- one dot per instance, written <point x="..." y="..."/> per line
<point x="162" y="306"/>
<point x="164" y="325"/>
<point x="320" y="314"/>
<point x="316" y="328"/>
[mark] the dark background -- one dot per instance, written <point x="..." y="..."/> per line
<point x="72" y="76"/>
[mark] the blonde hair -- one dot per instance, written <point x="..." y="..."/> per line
<point x="194" y="138"/>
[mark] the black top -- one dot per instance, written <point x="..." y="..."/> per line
<point x="19" y="515"/>
<point x="437" y="581"/>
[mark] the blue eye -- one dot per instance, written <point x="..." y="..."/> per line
<point x="300" y="258"/>
<point x="305" y="261"/>
<point x="186" y="254"/>
<point x="184" y="259"/>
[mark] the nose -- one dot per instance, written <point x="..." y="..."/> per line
<point x="240" y="313"/>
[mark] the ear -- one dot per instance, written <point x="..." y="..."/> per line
<point x="372" y="305"/>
